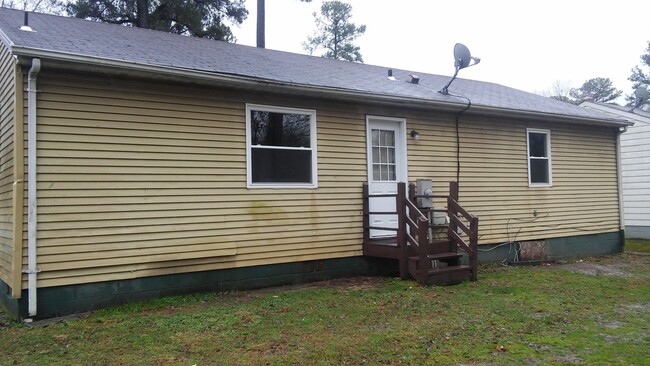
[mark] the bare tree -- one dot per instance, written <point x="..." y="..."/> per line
<point x="559" y="90"/>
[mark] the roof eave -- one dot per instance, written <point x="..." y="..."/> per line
<point x="245" y="82"/>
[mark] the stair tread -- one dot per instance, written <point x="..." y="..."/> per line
<point x="439" y="256"/>
<point x="461" y="267"/>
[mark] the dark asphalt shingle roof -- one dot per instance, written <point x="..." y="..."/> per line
<point x="141" y="46"/>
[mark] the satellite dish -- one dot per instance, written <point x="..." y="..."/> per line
<point x="462" y="56"/>
<point x="462" y="59"/>
<point x="642" y="96"/>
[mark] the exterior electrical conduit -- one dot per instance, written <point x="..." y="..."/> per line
<point x="32" y="206"/>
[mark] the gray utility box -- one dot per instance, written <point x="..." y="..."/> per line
<point x="424" y="187"/>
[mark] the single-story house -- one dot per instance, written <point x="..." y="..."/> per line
<point x="137" y="163"/>
<point x="635" y="167"/>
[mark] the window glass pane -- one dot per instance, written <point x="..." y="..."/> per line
<point x="280" y="166"/>
<point x="391" y="172"/>
<point x="375" y="172"/>
<point x="537" y="144"/>
<point x="391" y="155"/>
<point x="384" y="172"/>
<point x="539" y="171"/>
<point x="280" y="129"/>
<point x="387" y="138"/>
<point x="384" y="155"/>
<point x="375" y="155"/>
<point x="375" y="137"/>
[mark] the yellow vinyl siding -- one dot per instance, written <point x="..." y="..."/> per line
<point x="494" y="177"/>
<point x="135" y="181"/>
<point x="141" y="178"/>
<point x="7" y="88"/>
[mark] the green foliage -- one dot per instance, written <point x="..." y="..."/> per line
<point x="596" y="90"/>
<point x="199" y="18"/>
<point x="335" y="34"/>
<point x="512" y="316"/>
<point x="640" y="75"/>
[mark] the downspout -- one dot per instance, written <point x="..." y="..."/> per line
<point x="619" y="173"/>
<point x="32" y="205"/>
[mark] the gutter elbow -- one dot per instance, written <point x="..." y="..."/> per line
<point x="36" y="67"/>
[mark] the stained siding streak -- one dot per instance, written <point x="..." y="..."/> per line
<point x="137" y="181"/>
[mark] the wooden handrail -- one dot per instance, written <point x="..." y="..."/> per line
<point x="382" y="228"/>
<point x="452" y="203"/>
<point x="415" y="210"/>
<point x="429" y="196"/>
<point x="459" y="223"/>
<point x="412" y="232"/>
<point x="453" y="210"/>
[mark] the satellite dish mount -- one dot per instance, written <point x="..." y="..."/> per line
<point x="462" y="59"/>
<point x="642" y="96"/>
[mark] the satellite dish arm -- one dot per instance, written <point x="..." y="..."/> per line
<point x="445" y="90"/>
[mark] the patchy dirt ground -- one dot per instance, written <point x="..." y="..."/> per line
<point x="596" y="269"/>
<point x="620" y="265"/>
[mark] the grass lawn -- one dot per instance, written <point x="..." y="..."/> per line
<point x="591" y="312"/>
<point x="637" y="245"/>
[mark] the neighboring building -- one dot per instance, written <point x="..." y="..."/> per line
<point x="635" y="165"/>
<point x="136" y="163"/>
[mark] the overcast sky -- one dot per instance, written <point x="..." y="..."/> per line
<point x="522" y="44"/>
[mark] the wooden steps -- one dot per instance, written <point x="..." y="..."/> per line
<point x="443" y="269"/>
<point x="430" y="262"/>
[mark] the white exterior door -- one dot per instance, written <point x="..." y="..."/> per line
<point x="386" y="139"/>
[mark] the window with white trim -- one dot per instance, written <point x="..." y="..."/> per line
<point x="281" y="147"/>
<point x="539" y="158"/>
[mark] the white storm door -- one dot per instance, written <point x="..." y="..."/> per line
<point x="386" y="139"/>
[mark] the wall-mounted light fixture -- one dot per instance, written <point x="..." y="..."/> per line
<point x="415" y="135"/>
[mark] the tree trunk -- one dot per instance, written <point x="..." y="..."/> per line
<point x="261" y="24"/>
<point x="142" y="14"/>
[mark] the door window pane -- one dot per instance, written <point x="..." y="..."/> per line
<point x="383" y="155"/>
<point x="375" y="155"/>
<point x="391" y="156"/>
<point x="375" y="137"/>
<point x="388" y="138"/>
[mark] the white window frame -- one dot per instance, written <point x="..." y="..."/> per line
<point x="548" y="157"/>
<point x="313" y="149"/>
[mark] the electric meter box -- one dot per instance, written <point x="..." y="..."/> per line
<point x="424" y="187"/>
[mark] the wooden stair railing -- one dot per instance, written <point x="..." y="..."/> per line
<point x="412" y="245"/>
<point x="416" y="230"/>
<point x="454" y="210"/>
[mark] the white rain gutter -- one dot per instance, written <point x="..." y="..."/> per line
<point x="619" y="173"/>
<point x="32" y="205"/>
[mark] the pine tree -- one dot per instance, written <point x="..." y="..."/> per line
<point x="640" y="75"/>
<point x="199" y="18"/>
<point x="335" y="34"/>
